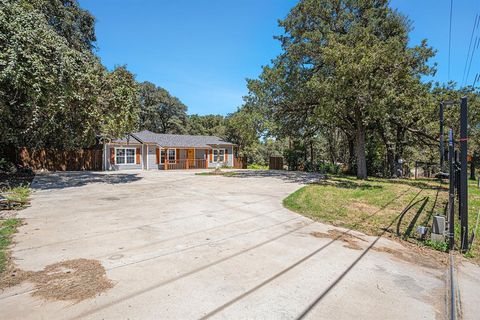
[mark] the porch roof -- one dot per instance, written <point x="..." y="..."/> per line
<point x="174" y="140"/>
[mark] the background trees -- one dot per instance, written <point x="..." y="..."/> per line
<point x="160" y="111"/>
<point x="347" y="65"/>
<point x="54" y="92"/>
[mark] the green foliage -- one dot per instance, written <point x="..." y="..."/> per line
<point x="20" y="194"/>
<point x="7" y="228"/>
<point x="346" y="65"/>
<point x="256" y="166"/>
<point x="437" y="245"/>
<point x="160" y="111"/>
<point x="54" y="92"/>
<point x="207" y="125"/>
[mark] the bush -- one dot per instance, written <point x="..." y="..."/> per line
<point x="7" y="166"/>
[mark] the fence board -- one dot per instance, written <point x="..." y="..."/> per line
<point x="240" y="162"/>
<point x="275" y="163"/>
<point x="57" y="160"/>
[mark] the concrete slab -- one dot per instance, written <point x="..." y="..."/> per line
<point x="183" y="246"/>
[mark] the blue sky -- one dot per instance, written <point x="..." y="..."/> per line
<point x="202" y="51"/>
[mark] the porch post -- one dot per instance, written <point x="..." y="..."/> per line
<point x="147" y="157"/>
<point x="166" y="159"/>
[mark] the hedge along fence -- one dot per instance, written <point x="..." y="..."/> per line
<point x="57" y="160"/>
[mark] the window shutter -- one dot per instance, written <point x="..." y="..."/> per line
<point x="177" y="155"/>
<point x="158" y="155"/>
<point x="138" y="156"/>
<point x="112" y="156"/>
<point x="225" y="157"/>
<point x="211" y="155"/>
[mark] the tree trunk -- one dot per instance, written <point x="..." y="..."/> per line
<point x="360" y="148"/>
<point x="472" y="168"/>
<point x="311" y="152"/>
<point x="351" y="154"/>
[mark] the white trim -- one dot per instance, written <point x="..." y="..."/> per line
<point x="126" y="164"/>
<point x="147" y="157"/>
<point x="218" y="155"/>
<point x="174" y="155"/>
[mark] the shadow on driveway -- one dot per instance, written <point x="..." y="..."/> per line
<point x="288" y="176"/>
<point x="61" y="180"/>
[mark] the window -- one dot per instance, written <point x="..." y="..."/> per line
<point x="218" y="155"/>
<point x="125" y="155"/>
<point x="172" y="155"/>
<point x="162" y="156"/>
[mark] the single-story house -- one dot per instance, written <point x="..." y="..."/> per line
<point x="154" y="151"/>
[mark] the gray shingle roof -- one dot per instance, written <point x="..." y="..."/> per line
<point x="175" y="140"/>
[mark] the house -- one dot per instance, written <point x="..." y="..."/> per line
<point x="154" y="151"/>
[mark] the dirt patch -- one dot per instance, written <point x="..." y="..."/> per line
<point x="425" y="258"/>
<point x="73" y="280"/>
<point x="350" y="241"/>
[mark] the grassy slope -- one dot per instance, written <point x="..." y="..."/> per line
<point x="473" y="209"/>
<point x="9" y="226"/>
<point x="370" y="206"/>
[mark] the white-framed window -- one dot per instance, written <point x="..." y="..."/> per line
<point x="162" y="156"/>
<point x="218" y="155"/>
<point x="172" y="155"/>
<point x="125" y="155"/>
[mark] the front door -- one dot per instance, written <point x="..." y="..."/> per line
<point x="191" y="158"/>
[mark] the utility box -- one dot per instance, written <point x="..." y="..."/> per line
<point x="438" y="229"/>
<point x="438" y="226"/>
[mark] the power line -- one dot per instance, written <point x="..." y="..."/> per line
<point x="475" y="25"/>
<point x="450" y="38"/>
<point x="475" y="46"/>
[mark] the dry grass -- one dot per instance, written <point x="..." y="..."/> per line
<point x="73" y="280"/>
<point x="371" y="206"/>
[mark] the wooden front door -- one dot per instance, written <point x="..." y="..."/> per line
<point x="191" y="158"/>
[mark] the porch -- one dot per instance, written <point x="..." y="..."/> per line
<point x="174" y="158"/>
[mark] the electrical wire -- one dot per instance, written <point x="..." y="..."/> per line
<point x="475" y="26"/>
<point x="450" y="38"/>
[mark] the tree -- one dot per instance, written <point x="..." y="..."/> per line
<point x="54" y="92"/>
<point x="160" y="111"/>
<point x="120" y="103"/>
<point x="210" y="125"/>
<point x="340" y="61"/>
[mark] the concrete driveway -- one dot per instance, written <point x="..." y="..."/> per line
<point x="182" y="246"/>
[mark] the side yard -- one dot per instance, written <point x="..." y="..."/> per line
<point x="396" y="207"/>
<point x="14" y="195"/>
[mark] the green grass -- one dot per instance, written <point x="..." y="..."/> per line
<point x="19" y="194"/>
<point x="212" y="173"/>
<point x="371" y="206"/>
<point x="7" y="228"/>
<point x="255" y="166"/>
<point x="473" y="208"/>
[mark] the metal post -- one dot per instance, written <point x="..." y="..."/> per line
<point x="463" y="205"/>
<point x="451" y="192"/>
<point x="442" y="139"/>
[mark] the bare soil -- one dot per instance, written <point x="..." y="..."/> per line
<point x="73" y="280"/>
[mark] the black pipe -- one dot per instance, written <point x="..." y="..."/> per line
<point x="463" y="204"/>
<point x="442" y="139"/>
<point x="451" y="192"/>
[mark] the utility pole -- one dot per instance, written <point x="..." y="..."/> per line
<point x="463" y="197"/>
<point x="442" y="139"/>
<point x="451" y="191"/>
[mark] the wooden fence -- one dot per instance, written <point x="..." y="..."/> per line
<point x="240" y="162"/>
<point x="275" y="163"/>
<point x="58" y="160"/>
